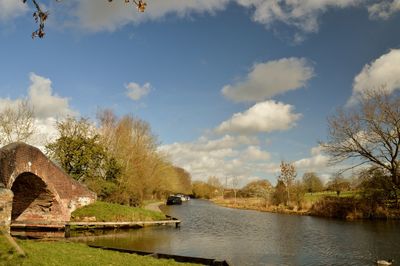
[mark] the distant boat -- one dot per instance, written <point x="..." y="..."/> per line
<point x="183" y="197"/>
<point x="174" y="200"/>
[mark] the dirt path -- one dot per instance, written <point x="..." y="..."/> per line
<point x="155" y="206"/>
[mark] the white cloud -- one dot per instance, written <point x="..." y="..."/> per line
<point x="8" y="103"/>
<point x="225" y="142"/>
<point x="271" y="78"/>
<point x="98" y="15"/>
<point x="10" y="9"/>
<point x="254" y="153"/>
<point x="136" y="92"/>
<point x="45" y="132"/>
<point x="384" y="9"/>
<point x="94" y="15"/>
<point x="262" y="117"/>
<point x="224" y="157"/>
<point x="383" y="72"/>
<point x="317" y="162"/>
<point x="47" y="107"/>
<point x="302" y="14"/>
<point x="45" y="103"/>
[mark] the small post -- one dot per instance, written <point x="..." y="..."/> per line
<point x="67" y="231"/>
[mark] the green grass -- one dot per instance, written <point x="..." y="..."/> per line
<point x="6" y="250"/>
<point x="65" y="253"/>
<point x="146" y="202"/>
<point x="313" y="197"/>
<point x="110" y="212"/>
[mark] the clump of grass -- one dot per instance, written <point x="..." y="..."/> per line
<point x="111" y="212"/>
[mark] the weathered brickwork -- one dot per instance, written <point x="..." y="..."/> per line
<point x="42" y="191"/>
<point x="6" y="197"/>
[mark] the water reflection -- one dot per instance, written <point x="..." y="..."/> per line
<point x="253" y="238"/>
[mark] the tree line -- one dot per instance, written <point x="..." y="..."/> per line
<point x="116" y="157"/>
<point x="365" y="136"/>
<point x="369" y="190"/>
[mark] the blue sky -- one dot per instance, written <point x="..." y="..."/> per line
<point x="230" y="87"/>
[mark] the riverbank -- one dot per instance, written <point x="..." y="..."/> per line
<point x="348" y="208"/>
<point x="42" y="252"/>
<point x="154" y="206"/>
<point x="257" y="204"/>
<point x="110" y="212"/>
<point x="67" y="253"/>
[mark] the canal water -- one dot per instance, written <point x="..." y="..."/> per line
<point x="245" y="237"/>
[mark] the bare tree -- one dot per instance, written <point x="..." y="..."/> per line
<point x="214" y="182"/>
<point x="16" y="123"/>
<point x="368" y="133"/>
<point x="235" y="187"/>
<point x="287" y="176"/>
<point x="40" y="16"/>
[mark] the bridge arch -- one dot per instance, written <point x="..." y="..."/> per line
<point x="33" y="199"/>
<point x="42" y="191"/>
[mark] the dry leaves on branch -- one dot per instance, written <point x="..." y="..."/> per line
<point x="41" y="16"/>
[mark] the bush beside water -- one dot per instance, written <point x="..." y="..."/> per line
<point x="352" y="208"/>
<point x="111" y="212"/>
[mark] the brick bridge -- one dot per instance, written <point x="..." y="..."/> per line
<point x="41" y="191"/>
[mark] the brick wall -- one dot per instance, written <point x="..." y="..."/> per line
<point x="43" y="192"/>
<point x="6" y="197"/>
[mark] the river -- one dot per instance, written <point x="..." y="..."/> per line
<point x="245" y="237"/>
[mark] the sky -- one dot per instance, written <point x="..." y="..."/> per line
<point x="230" y="87"/>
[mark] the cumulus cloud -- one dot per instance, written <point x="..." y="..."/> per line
<point x="302" y="14"/>
<point x="225" y="142"/>
<point x="222" y="157"/>
<point x="97" y="15"/>
<point x="383" y="72"/>
<point x="136" y="92"/>
<point x="45" y="103"/>
<point x="47" y="107"/>
<point x="317" y="162"/>
<point x="270" y="78"/>
<point x="8" y="103"/>
<point x="264" y="117"/>
<point x="384" y="9"/>
<point x="11" y="8"/>
<point x="254" y="153"/>
<point x="94" y="15"/>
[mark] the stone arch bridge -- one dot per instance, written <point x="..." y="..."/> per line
<point x="33" y="188"/>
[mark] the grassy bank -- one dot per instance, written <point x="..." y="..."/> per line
<point x="348" y="205"/>
<point x="258" y="204"/>
<point x="65" y="253"/>
<point x="109" y="212"/>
